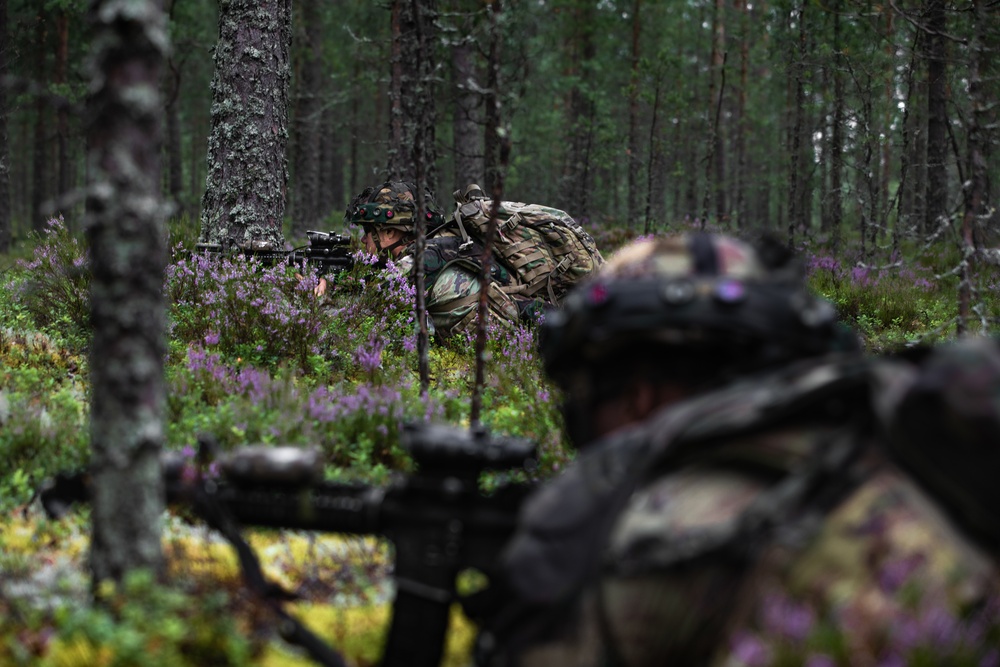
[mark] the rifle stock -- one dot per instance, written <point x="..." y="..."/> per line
<point x="438" y="520"/>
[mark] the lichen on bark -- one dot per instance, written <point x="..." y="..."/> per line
<point x="126" y="234"/>
<point x="244" y="200"/>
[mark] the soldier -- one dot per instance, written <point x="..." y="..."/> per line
<point x="737" y="498"/>
<point x="452" y="278"/>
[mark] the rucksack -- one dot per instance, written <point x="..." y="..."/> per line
<point x="546" y="249"/>
<point x="944" y="428"/>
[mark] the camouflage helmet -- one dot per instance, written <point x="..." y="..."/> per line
<point x="392" y="195"/>
<point x="701" y="291"/>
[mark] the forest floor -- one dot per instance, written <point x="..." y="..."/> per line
<point x="333" y="374"/>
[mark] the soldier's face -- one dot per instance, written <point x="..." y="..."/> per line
<point x="634" y="405"/>
<point x="386" y="237"/>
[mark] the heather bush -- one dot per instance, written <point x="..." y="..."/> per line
<point x="372" y="319"/>
<point x="907" y="296"/>
<point x="262" y="315"/>
<point x="519" y="400"/>
<point x="355" y="425"/>
<point x="789" y="631"/>
<point x="54" y="285"/>
<point x="886" y="305"/>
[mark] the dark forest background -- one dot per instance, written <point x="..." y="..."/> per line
<point x="815" y="119"/>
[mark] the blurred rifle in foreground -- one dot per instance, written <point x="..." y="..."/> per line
<point x="438" y="519"/>
<point x="328" y="252"/>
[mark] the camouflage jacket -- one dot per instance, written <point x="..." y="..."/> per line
<point x="452" y="278"/>
<point x="767" y="523"/>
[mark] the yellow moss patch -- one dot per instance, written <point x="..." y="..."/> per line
<point x="358" y="633"/>
<point x="321" y="567"/>
<point x="77" y="653"/>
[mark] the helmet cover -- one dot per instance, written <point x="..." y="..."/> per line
<point x="693" y="290"/>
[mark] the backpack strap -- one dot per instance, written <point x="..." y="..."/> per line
<point x="465" y="198"/>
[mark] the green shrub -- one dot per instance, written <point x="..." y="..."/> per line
<point x="54" y="286"/>
<point x="140" y="624"/>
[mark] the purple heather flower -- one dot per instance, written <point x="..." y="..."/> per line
<point x="824" y="263"/>
<point x="906" y="633"/>
<point x="820" y="660"/>
<point x="750" y="651"/>
<point x="940" y="627"/>
<point x="892" y="660"/>
<point x="895" y="573"/>
<point x="369" y="355"/>
<point x="859" y="275"/>
<point x="787" y="618"/>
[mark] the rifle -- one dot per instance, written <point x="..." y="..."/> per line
<point x="438" y="519"/>
<point x="329" y="252"/>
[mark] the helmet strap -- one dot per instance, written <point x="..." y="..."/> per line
<point x="403" y="241"/>
<point x="387" y="250"/>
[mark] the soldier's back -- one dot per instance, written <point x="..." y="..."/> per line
<point x="773" y="528"/>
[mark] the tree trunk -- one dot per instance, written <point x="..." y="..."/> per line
<point x="741" y="120"/>
<point x="797" y="92"/>
<point x="196" y="178"/>
<point x="412" y="96"/>
<point x="807" y="160"/>
<point x="975" y="189"/>
<point x="331" y="165"/>
<point x="908" y="170"/>
<point x="836" y="146"/>
<point x="497" y="170"/>
<point x="171" y="91"/>
<point x="632" y="154"/>
<point x="244" y="202"/>
<point x="937" y="116"/>
<point x="889" y="113"/>
<point x="398" y="151"/>
<point x="5" y="212"/>
<point x="175" y="185"/>
<point x="40" y="161"/>
<point x="305" y="189"/>
<point x="128" y="254"/>
<point x="466" y="123"/>
<point x="576" y="172"/>
<point x="354" y="176"/>
<point x="654" y="180"/>
<point x="715" y="166"/>
<point x="62" y="113"/>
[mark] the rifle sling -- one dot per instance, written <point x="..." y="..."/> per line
<point x="218" y="517"/>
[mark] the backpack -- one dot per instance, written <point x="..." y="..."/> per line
<point x="943" y="424"/>
<point x="545" y="248"/>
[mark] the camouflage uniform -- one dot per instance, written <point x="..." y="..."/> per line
<point x="763" y="522"/>
<point x="453" y="289"/>
<point x="451" y="274"/>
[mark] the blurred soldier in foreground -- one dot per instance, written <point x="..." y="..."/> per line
<point x="751" y="490"/>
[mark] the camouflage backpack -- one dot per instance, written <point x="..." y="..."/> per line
<point x="546" y="249"/>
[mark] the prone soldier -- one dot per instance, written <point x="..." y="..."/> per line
<point x="538" y="253"/>
<point x="750" y="488"/>
<point x="387" y="215"/>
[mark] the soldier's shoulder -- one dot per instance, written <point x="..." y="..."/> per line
<point x="404" y="263"/>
